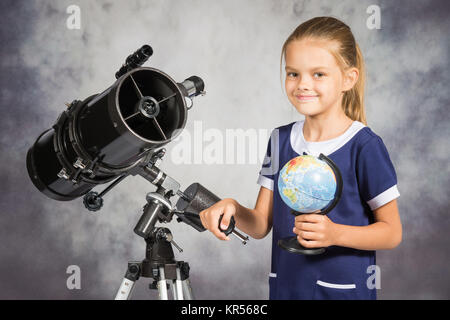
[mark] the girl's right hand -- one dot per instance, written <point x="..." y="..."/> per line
<point x="210" y="217"/>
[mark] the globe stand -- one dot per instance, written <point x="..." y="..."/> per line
<point x="291" y="244"/>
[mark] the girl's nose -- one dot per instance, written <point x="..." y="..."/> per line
<point x="303" y="84"/>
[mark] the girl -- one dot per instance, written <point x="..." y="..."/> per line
<point x="325" y="83"/>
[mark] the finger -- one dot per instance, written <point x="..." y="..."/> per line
<point x="306" y="235"/>
<point x="310" y="217"/>
<point x="229" y="211"/>
<point x="306" y="217"/>
<point x="202" y="219"/>
<point x="306" y="226"/>
<point x="227" y="214"/>
<point x="309" y="244"/>
<point x="214" y="224"/>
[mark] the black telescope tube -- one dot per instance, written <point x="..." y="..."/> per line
<point x="106" y="135"/>
<point x="102" y="137"/>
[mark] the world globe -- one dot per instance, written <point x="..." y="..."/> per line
<point x="307" y="184"/>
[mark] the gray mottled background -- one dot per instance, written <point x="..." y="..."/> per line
<point x="235" y="47"/>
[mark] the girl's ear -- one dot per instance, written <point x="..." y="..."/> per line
<point x="350" y="78"/>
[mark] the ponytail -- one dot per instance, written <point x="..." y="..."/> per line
<point x="353" y="100"/>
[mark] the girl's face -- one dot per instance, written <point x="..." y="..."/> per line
<point x="314" y="81"/>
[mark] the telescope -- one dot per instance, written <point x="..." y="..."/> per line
<point x="102" y="137"/>
<point x="121" y="132"/>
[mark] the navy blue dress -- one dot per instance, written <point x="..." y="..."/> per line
<point x="369" y="181"/>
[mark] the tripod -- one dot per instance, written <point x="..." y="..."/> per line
<point x="160" y="265"/>
<point x="159" y="262"/>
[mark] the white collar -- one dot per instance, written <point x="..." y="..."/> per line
<point x="327" y="147"/>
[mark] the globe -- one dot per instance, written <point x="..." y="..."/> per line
<point x="307" y="184"/>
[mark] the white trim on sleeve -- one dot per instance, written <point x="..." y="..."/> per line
<point x="384" y="197"/>
<point x="265" y="182"/>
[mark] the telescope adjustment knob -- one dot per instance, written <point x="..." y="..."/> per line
<point x="230" y="226"/>
<point x="92" y="201"/>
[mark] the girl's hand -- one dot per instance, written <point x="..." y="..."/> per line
<point x="315" y="230"/>
<point x="210" y="217"/>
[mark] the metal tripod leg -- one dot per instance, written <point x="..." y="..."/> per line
<point x="179" y="288"/>
<point x="184" y="285"/>
<point x="128" y="282"/>
<point x="125" y="290"/>
<point x="174" y="290"/>
<point x="162" y="285"/>
<point x="187" y="289"/>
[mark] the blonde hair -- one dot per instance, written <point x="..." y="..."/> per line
<point x="347" y="54"/>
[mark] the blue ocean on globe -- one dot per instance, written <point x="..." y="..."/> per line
<point x="307" y="184"/>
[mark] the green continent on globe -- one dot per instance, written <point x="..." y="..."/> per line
<point x="290" y="194"/>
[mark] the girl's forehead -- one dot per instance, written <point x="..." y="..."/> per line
<point x="309" y="53"/>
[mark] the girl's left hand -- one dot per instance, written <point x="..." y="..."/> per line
<point x="315" y="230"/>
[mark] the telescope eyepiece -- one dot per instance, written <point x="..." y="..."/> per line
<point x="135" y="60"/>
<point x="146" y="50"/>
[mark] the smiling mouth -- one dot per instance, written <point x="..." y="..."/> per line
<point x="306" y="98"/>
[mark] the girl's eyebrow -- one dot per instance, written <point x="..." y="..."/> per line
<point x="314" y="68"/>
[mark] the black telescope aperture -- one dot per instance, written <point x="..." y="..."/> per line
<point x="151" y="106"/>
<point x="96" y="140"/>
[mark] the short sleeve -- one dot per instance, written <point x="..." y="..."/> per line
<point x="270" y="164"/>
<point x="376" y="175"/>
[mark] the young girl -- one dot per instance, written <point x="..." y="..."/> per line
<point x="325" y="83"/>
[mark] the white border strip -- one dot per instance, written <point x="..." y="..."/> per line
<point x="265" y="182"/>
<point x="336" y="286"/>
<point x="384" y="197"/>
<point x="299" y="144"/>
<point x="272" y="275"/>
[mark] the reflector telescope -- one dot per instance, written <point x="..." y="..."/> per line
<point x="97" y="140"/>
